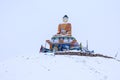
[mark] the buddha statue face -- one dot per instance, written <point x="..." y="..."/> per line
<point x="65" y="19"/>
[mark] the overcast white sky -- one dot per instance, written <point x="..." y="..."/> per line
<point x="26" y="24"/>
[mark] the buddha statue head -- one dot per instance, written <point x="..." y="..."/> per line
<point x="65" y="19"/>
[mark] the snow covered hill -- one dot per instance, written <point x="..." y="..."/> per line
<point x="49" y="67"/>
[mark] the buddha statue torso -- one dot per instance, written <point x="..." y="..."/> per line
<point x="64" y="29"/>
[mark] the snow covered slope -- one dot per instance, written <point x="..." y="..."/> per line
<point x="49" y="67"/>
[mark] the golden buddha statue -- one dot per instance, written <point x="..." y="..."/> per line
<point x="64" y="28"/>
<point x="63" y="36"/>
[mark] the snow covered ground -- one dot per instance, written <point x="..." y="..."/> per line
<point x="49" y="67"/>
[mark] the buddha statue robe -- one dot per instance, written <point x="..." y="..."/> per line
<point x="64" y="29"/>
